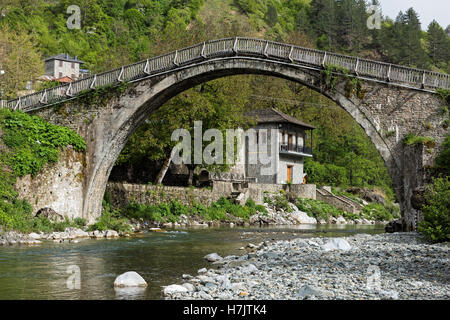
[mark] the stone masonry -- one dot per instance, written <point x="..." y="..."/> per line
<point x="385" y="112"/>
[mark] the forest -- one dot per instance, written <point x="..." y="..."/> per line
<point x="119" y="32"/>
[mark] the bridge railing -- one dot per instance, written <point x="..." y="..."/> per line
<point x="245" y="47"/>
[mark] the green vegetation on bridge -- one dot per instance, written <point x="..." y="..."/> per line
<point x="28" y="143"/>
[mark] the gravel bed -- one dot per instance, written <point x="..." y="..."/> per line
<point x="362" y="267"/>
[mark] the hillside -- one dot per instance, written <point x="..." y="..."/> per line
<point x="119" y="32"/>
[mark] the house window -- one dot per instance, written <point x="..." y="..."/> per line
<point x="73" y="65"/>
<point x="60" y="63"/>
<point x="60" y="75"/>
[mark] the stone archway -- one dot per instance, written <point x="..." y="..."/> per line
<point x="112" y="125"/>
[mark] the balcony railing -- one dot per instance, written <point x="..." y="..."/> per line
<point x="294" y="148"/>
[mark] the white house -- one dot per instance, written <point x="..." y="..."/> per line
<point x="63" y="65"/>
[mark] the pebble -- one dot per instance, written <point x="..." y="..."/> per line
<point x="398" y="266"/>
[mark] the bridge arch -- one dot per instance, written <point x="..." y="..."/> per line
<point x="111" y="129"/>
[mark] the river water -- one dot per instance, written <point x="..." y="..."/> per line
<point x="42" y="272"/>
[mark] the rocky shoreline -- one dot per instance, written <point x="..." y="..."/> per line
<point x="273" y="217"/>
<point x="71" y="235"/>
<point x="360" y="267"/>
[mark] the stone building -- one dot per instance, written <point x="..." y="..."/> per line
<point x="289" y="138"/>
<point x="63" y="65"/>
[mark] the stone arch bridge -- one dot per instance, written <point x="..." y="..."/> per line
<point x="389" y="102"/>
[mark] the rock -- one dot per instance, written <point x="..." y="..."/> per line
<point x="175" y="288"/>
<point x="213" y="257"/>
<point x="98" y="234"/>
<point x="302" y="217"/>
<point x="307" y="291"/>
<point x="189" y="286"/>
<point x="202" y="270"/>
<point x="336" y="244"/>
<point x="389" y="295"/>
<point x="341" y="220"/>
<point x="130" y="279"/>
<point x="50" y="214"/>
<point x="243" y="293"/>
<point x="333" y="220"/>
<point x="251" y="245"/>
<point x="34" y="236"/>
<point x="76" y="233"/>
<point x="313" y="243"/>
<point x="156" y="230"/>
<point x="111" y="234"/>
<point x="249" y="269"/>
<point x="394" y="226"/>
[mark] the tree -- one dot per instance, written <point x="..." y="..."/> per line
<point x="322" y="15"/>
<point x="438" y="45"/>
<point x="20" y="60"/>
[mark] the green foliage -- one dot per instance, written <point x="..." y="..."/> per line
<point x="222" y="210"/>
<point x="443" y="159"/>
<point x="436" y="223"/>
<point x="319" y="209"/>
<point x="325" y="174"/>
<point x="411" y="139"/>
<point x="377" y="212"/>
<point x="33" y="142"/>
<point x="110" y="220"/>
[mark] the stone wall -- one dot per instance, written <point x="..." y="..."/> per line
<point x="124" y="193"/>
<point x="339" y="202"/>
<point x="57" y="186"/>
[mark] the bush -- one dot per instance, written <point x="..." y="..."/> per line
<point x="377" y="212"/>
<point x="319" y="209"/>
<point x="436" y="223"/>
<point x="110" y="220"/>
<point x="222" y="209"/>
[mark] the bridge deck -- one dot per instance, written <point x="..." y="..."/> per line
<point x="237" y="47"/>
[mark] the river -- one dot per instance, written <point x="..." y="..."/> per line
<point x="41" y="272"/>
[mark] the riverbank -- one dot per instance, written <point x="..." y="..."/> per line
<point x="269" y="215"/>
<point x="385" y="266"/>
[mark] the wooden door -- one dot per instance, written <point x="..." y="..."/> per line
<point x="289" y="174"/>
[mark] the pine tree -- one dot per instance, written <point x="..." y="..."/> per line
<point x="438" y="45"/>
<point x="322" y="15"/>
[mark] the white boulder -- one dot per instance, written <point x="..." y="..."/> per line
<point x="302" y="217"/>
<point x="213" y="257"/>
<point x="130" y="279"/>
<point x="175" y="288"/>
<point x="336" y="244"/>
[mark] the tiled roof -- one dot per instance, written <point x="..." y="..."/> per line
<point x="65" y="57"/>
<point x="271" y="115"/>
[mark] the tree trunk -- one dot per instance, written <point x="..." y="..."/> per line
<point x="164" y="168"/>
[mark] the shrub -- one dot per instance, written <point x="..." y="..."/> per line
<point x="377" y="212"/>
<point x="436" y="223"/>
<point x="411" y="139"/>
<point x="318" y="209"/>
<point x="110" y="220"/>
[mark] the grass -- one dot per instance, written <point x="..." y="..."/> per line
<point x="221" y="210"/>
<point x="412" y="139"/>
